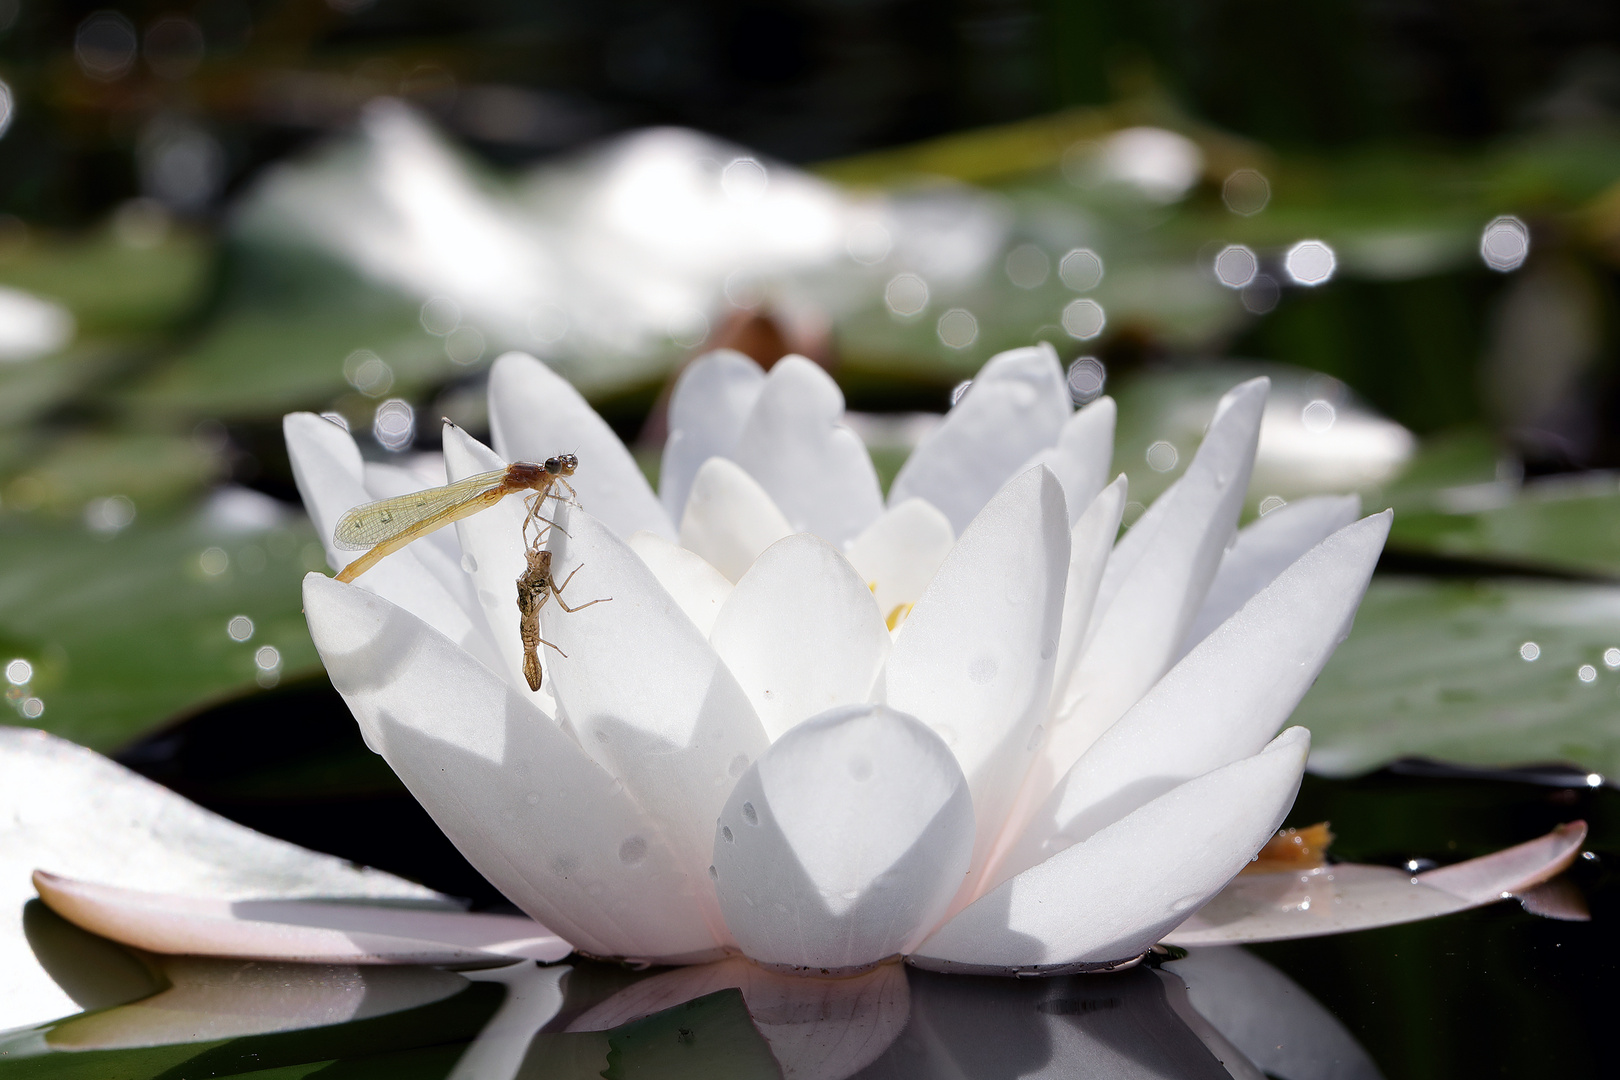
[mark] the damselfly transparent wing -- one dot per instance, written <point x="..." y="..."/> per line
<point x="378" y="522"/>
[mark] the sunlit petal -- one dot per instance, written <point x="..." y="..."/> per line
<point x="1091" y="541"/>
<point x="707" y="409"/>
<point x="1016" y="407"/>
<point x="555" y="832"/>
<point x="699" y="588"/>
<point x="1223" y="702"/>
<point x="974" y="659"/>
<point x="814" y="468"/>
<point x="309" y="931"/>
<point x="1156" y="581"/>
<point x="1265" y="549"/>
<point x="801" y="633"/>
<point x="1083" y="454"/>
<point x="1134" y="881"/>
<point x="534" y="413"/>
<point x="899" y="554"/>
<point x="729" y="519"/>
<point x="647" y="695"/>
<point x="844" y="842"/>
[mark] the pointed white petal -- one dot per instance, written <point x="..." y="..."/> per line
<point x="1112" y="896"/>
<point x="1223" y="702"/>
<point x="1135" y="638"/>
<point x="557" y="834"/>
<point x="330" y="476"/>
<point x="1016" y="407"/>
<point x="899" y="554"/>
<point x="729" y="518"/>
<point x="69" y="810"/>
<point x="801" y="633"/>
<point x="707" y="409"/>
<point x="699" y="588"/>
<point x="974" y="659"/>
<point x="1269" y="1017"/>
<point x="534" y="413"/>
<point x="1090" y="543"/>
<point x="492" y="544"/>
<point x="818" y="1029"/>
<point x="815" y="469"/>
<point x="1083" y="454"/>
<point x="1350" y="896"/>
<point x="648" y="696"/>
<point x="307" y="931"/>
<point x="844" y="842"/>
<point x="1265" y="549"/>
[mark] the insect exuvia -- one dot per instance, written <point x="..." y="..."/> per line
<point x="387" y="525"/>
<point x="534" y="587"/>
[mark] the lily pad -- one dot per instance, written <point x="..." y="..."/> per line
<point x="1487" y="673"/>
<point x="122" y="631"/>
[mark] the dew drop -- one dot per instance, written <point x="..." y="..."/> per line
<point x="1048" y="647"/>
<point x="983" y="669"/>
<point x="469" y="564"/>
<point x="1185" y="902"/>
<point x="725" y="831"/>
<point x="633" y="850"/>
<point x="738" y="765"/>
<point x="564" y="865"/>
<point x="714" y="875"/>
<point x="749" y="814"/>
<point x="860" y="769"/>
<point x="850" y="894"/>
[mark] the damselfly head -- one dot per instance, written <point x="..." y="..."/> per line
<point x="562" y="465"/>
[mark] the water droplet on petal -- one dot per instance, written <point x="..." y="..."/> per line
<point x="860" y="769"/>
<point x="714" y="875"/>
<point x="1186" y="902"/>
<point x="749" y="814"/>
<point x="469" y="564"/>
<point x="633" y="850"/>
<point x="725" y="831"/>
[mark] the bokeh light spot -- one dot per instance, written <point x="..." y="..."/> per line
<point x="1310" y="262"/>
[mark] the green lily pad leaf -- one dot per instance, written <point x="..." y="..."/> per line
<point x="121" y="630"/>
<point x="1490" y="673"/>
<point x="115" y="288"/>
<point x="708" y="1036"/>
<point x="1567" y="523"/>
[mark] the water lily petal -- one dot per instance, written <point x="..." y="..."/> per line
<point x="330" y="475"/>
<point x="534" y="413"/>
<point x="1350" y="896"/>
<point x="1083" y="454"/>
<point x="1016" y="407"/>
<point x="899" y="554"/>
<point x="974" y="659"/>
<point x="816" y="470"/>
<point x="555" y="832"/>
<point x="1142" y="614"/>
<point x="844" y="842"/>
<point x="1090" y="543"/>
<point x="69" y="810"/>
<point x="1222" y="702"/>
<point x="699" y="588"/>
<point x="818" y="1029"/>
<point x="646" y="693"/>
<point x="1265" y="549"/>
<point x="534" y="996"/>
<point x="729" y="518"/>
<point x="707" y="410"/>
<point x="801" y="633"/>
<point x="307" y="931"/>
<point x="1134" y="881"/>
<point x="492" y="544"/>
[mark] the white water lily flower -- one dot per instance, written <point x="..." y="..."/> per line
<point x="966" y="727"/>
